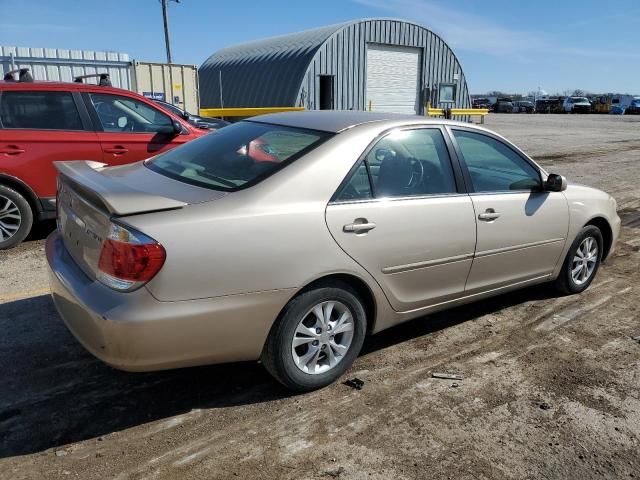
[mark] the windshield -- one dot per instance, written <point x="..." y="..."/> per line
<point x="171" y="108"/>
<point x="579" y="100"/>
<point x="236" y="156"/>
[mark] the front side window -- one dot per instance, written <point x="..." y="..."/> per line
<point x="123" y="114"/>
<point x="493" y="166"/>
<point x="404" y="163"/>
<point x="236" y="156"/>
<point x="39" y="110"/>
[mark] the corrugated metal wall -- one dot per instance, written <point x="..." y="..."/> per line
<point x="284" y="71"/>
<point x="60" y="64"/>
<point x="344" y="55"/>
<point x="264" y="73"/>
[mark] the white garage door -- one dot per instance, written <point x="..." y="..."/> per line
<point x="392" y="78"/>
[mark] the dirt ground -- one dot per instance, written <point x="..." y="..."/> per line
<point x="551" y="386"/>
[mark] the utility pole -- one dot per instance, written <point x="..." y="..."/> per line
<point x="166" y="27"/>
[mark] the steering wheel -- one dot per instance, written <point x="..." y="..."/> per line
<point x="417" y="173"/>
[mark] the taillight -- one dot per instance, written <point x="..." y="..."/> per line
<point x="129" y="259"/>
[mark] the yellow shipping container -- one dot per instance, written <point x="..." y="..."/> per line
<point x="172" y="83"/>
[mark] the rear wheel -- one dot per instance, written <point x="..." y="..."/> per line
<point x="582" y="261"/>
<point x="316" y="339"/>
<point x="16" y="218"/>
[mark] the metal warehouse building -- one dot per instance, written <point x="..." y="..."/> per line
<point x="377" y="64"/>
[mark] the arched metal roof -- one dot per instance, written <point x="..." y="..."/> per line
<point x="268" y="70"/>
<point x="282" y="71"/>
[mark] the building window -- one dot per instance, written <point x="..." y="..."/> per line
<point x="447" y="93"/>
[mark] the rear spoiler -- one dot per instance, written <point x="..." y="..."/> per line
<point x="117" y="198"/>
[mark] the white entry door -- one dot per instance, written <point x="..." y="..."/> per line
<point x="392" y="78"/>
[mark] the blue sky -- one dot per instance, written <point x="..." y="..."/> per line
<point x="508" y="45"/>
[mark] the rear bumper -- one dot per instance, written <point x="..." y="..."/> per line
<point x="134" y="331"/>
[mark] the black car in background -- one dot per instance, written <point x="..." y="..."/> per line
<point x="195" y="120"/>
<point x="549" y="105"/>
<point x="523" y="106"/>
<point x="503" y="105"/>
<point x="481" y="103"/>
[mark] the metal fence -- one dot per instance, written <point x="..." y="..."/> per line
<point x="60" y="64"/>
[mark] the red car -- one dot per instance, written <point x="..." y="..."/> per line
<point x="41" y="122"/>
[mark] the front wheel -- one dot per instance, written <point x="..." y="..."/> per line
<point x="16" y="218"/>
<point x="582" y="261"/>
<point x="317" y="337"/>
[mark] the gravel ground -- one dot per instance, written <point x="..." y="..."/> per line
<point x="551" y="384"/>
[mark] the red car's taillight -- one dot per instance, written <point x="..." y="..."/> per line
<point x="129" y="259"/>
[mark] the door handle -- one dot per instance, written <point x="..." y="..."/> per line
<point x="116" y="150"/>
<point x="359" y="227"/>
<point x="12" y="150"/>
<point x="489" y="215"/>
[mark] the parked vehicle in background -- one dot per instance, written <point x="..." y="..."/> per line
<point x="617" y="109"/>
<point x="195" y="120"/>
<point x="576" y="105"/>
<point x="481" y="103"/>
<point x="205" y="255"/>
<point x="544" y="105"/>
<point x="633" y="108"/>
<point x="503" y="105"/>
<point x="523" y="106"/>
<point x="601" y="104"/>
<point x="43" y="122"/>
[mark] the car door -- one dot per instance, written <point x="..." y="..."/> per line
<point x="403" y="215"/>
<point x="521" y="230"/>
<point x="130" y="129"/>
<point x="39" y="127"/>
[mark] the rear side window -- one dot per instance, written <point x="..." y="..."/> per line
<point x="236" y="156"/>
<point x="39" y="111"/>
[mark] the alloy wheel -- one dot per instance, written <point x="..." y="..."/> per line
<point x="10" y="218"/>
<point x="584" y="261"/>
<point x="323" y="337"/>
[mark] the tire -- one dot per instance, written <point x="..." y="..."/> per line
<point x="288" y="363"/>
<point x="16" y="218"/>
<point x="567" y="282"/>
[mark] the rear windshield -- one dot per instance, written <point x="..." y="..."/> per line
<point x="236" y="156"/>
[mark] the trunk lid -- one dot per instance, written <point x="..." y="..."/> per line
<point x="91" y="196"/>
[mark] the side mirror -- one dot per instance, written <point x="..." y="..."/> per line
<point x="555" y="183"/>
<point x="186" y="116"/>
<point x="174" y="129"/>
